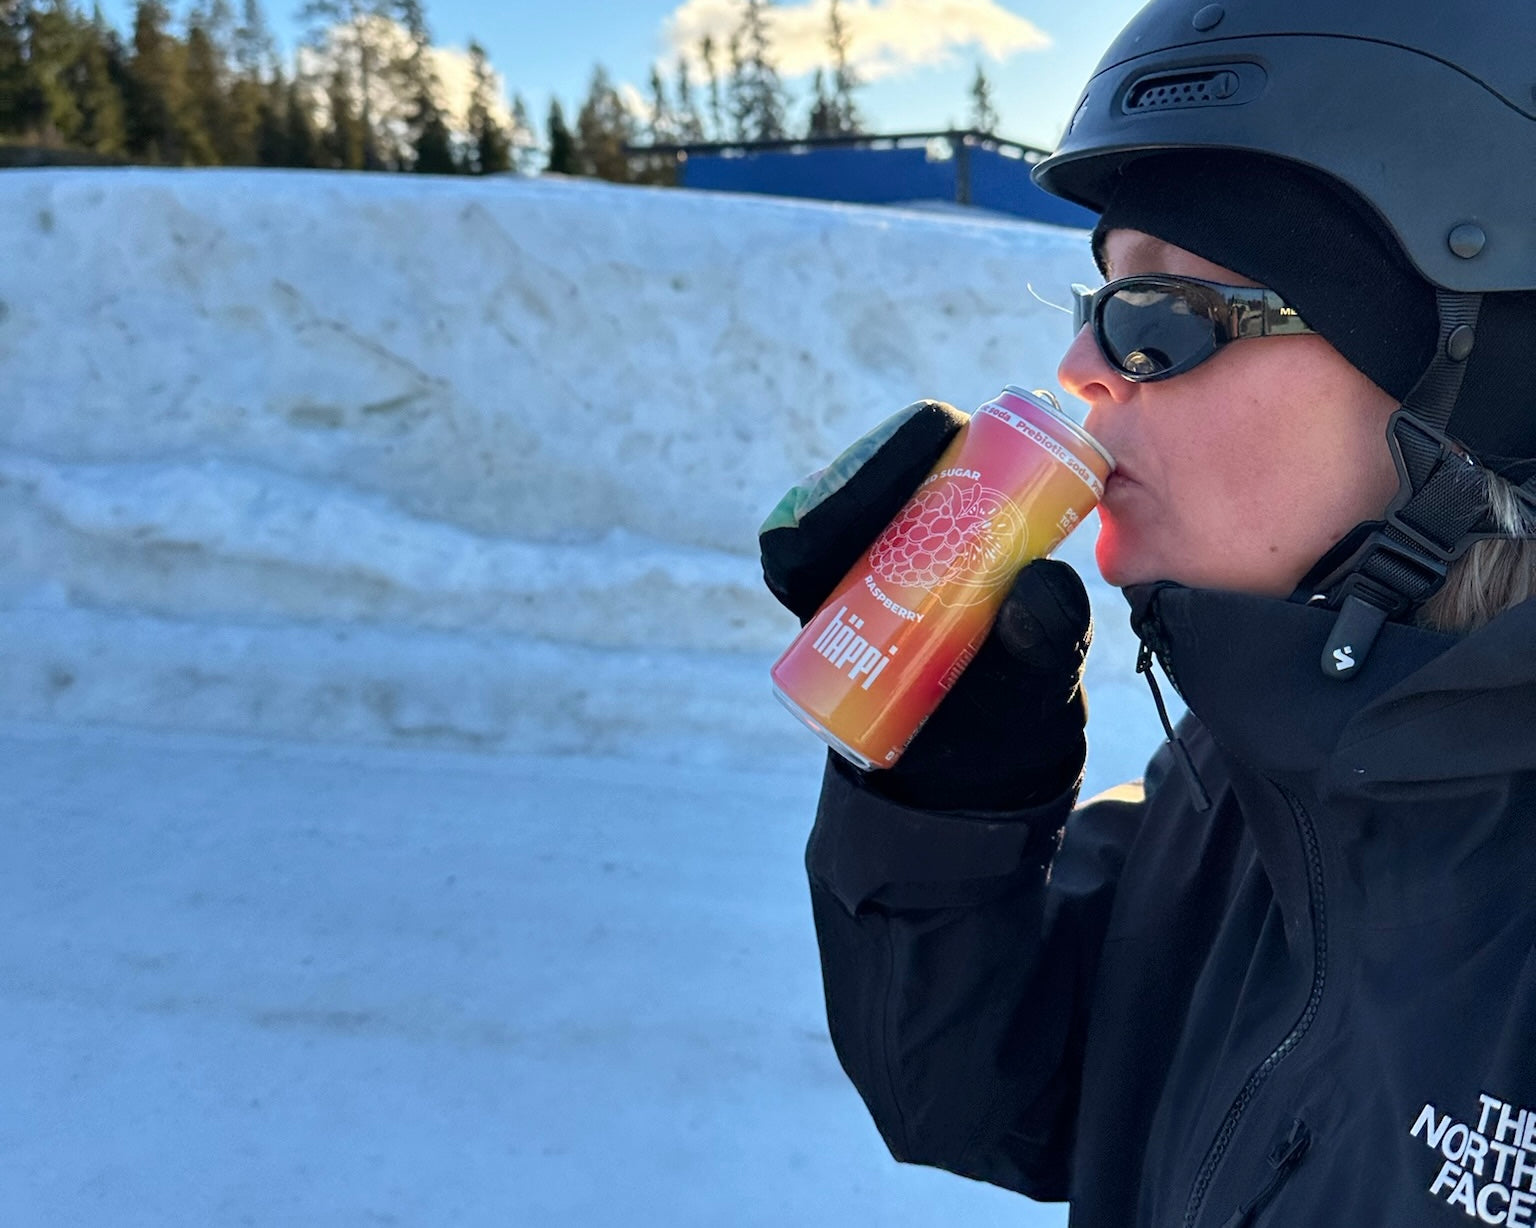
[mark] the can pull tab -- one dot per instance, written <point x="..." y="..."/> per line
<point x="1354" y="631"/>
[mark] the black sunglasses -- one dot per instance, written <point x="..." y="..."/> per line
<point x="1156" y="325"/>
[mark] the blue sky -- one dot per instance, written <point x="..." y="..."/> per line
<point x="919" y="54"/>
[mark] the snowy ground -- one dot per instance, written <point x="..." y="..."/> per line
<point x="258" y="983"/>
<point x="396" y="825"/>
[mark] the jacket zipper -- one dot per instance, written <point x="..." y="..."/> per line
<point x="1286" y="1155"/>
<point x="1261" y="1073"/>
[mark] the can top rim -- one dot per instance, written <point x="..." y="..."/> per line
<point x="1046" y="402"/>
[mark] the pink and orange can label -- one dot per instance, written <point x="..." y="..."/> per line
<point x="896" y="633"/>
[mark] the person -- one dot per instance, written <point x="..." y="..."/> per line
<point x="1290" y="977"/>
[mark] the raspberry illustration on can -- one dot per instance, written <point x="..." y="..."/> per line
<point x="896" y="633"/>
<point x="954" y="530"/>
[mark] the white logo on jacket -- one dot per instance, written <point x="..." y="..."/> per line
<point x="1488" y="1173"/>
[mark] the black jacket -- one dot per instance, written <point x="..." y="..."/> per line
<point x="1312" y="1004"/>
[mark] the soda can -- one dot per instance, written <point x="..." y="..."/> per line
<point x="896" y="633"/>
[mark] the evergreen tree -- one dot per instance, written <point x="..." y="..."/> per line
<point x="524" y="140"/>
<point x="352" y="33"/>
<point x="97" y="84"/>
<point x="218" y="20"/>
<point x="345" y="141"/>
<point x="155" y="91"/>
<point x="491" y="145"/>
<point x="270" y="134"/>
<point x="430" y="140"/>
<point x="247" y="108"/>
<point x="983" y="111"/>
<point x="53" y="36"/>
<point x="562" y="143"/>
<point x="824" y="118"/>
<point x="15" y="71"/>
<point x="211" y="140"/>
<point x="412" y="16"/>
<point x="604" y="127"/>
<point x="302" y="145"/>
<point x="690" y="124"/>
<point x="762" y="103"/>
<point x="712" y="78"/>
<point x="845" y="111"/>
<point x="433" y="144"/>
<point x="738" y="105"/>
<point x="254" y="52"/>
<point x="254" y="111"/>
<point x="663" y="125"/>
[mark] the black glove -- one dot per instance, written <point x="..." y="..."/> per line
<point x="1010" y="732"/>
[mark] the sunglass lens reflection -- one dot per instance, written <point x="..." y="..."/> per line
<point x="1147" y="332"/>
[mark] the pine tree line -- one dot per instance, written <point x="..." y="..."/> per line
<point x="727" y="95"/>
<point x="211" y="90"/>
<point x="730" y="95"/>
<point x="361" y="94"/>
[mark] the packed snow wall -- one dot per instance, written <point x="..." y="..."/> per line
<point x="463" y="462"/>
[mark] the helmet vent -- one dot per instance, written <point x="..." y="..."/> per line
<point x="1165" y="91"/>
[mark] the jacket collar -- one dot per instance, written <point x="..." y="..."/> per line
<point x="1420" y="773"/>
<point x="1248" y="669"/>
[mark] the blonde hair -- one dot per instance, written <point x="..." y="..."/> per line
<point x="1493" y="575"/>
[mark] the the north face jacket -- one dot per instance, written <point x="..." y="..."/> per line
<point x="1312" y="1004"/>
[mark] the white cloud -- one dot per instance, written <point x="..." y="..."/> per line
<point x="638" y="103"/>
<point x="456" y="86"/>
<point x="887" y="37"/>
<point x="391" y="43"/>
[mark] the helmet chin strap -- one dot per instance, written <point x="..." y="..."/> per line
<point x="1387" y="569"/>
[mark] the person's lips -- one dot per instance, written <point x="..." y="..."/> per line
<point x="1121" y="477"/>
<point x="1120" y="484"/>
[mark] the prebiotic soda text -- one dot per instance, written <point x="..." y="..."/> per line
<point x="869" y="669"/>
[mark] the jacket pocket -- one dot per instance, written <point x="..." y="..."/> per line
<point x="1284" y="1158"/>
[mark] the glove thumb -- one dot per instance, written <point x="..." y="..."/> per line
<point x="1045" y="623"/>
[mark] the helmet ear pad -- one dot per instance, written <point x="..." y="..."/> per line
<point x="1300" y="234"/>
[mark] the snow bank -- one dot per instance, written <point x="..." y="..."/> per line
<point x="414" y="468"/>
<point x="462" y="463"/>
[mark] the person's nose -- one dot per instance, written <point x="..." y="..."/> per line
<point x="1086" y="374"/>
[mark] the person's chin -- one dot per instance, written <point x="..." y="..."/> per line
<point x="1119" y="562"/>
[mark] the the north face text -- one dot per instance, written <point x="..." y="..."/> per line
<point x="1488" y="1173"/>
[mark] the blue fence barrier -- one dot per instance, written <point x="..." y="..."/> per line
<point x="988" y="174"/>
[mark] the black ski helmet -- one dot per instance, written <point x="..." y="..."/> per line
<point x="1423" y="113"/>
<point x="1425" y="110"/>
